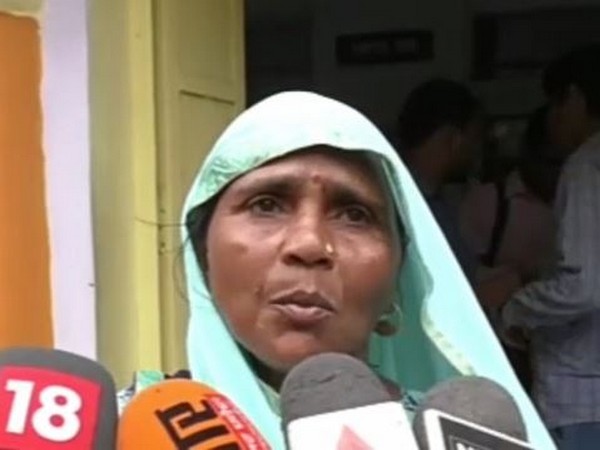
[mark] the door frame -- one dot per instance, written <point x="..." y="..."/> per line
<point x="124" y="185"/>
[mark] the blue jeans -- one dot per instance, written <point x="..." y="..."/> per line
<point x="580" y="436"/>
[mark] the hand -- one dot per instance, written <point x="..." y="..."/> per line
<point x="512" y="336"/>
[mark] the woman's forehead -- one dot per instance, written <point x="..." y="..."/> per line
<point x="322" y="164"/>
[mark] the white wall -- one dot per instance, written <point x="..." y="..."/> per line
<point x="379" y="90"/>
<point x="67" y="150"/>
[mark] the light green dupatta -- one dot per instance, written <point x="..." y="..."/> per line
<point x="444" y="332"/>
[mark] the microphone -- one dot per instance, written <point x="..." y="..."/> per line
<point x="184" y="415"/>
<point x="333" y="401"/>
<point x="469" y="413"/>
<point x="55" y="400"/>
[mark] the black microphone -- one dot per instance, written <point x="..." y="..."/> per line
<point x="333" y="401"/>
<point x="469" y="413"/>
<point x="55" y="400"/>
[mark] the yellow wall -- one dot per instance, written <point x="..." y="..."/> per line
<point x="25" y="295"/>
<point x="200" y="89"/>
<point x="124" y="185"/>
<point x="166" y="78"/>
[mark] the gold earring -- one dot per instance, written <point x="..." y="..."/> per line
<point x="389" y="322"/>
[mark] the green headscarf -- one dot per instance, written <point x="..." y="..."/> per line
<point x="444" y="332"/>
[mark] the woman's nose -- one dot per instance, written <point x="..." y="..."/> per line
<point x="307" y="245"/>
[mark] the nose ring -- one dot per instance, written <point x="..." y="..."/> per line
<point x="329" y="249"/>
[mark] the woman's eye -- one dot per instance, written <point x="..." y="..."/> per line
<point x="265" y="205"/>
<point x="357" y="215"/>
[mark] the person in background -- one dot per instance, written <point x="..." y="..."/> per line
<point x="441" y="129"/>
<point x="560" y="313"/>
<point x="510" y="223"/>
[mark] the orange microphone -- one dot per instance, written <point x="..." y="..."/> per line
<point x="185" y="415"/>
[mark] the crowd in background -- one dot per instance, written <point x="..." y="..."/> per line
<point x="529" y="239"/>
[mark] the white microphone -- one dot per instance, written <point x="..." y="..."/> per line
<point x="335" y="402"/>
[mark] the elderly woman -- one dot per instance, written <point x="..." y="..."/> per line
<point x="305" y="234"/>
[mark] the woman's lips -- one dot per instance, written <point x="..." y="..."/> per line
<point x="303" y="316"/>
<point x="303" y="308"/>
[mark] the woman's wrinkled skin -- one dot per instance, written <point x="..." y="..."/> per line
<point x="301" y="255"/>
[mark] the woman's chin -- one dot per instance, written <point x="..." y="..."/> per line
<point x="293" y="349"/>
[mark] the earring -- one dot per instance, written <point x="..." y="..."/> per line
<point x="389" y="322"/>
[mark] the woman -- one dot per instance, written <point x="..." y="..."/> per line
<point x="305" y="233"/>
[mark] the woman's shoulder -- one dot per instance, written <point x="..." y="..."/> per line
<point x="143" y="379"/>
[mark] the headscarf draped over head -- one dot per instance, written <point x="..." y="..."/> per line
<point x="444" y="332"/>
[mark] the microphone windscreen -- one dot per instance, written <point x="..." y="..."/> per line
<point x="55" y="400"/>
<point x="183" y="414"/>
<point x="475" y="399"/>
<point x="329" y="382"/>
<point x="333" y="401"/>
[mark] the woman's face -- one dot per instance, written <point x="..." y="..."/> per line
<point x="302" y="254"/>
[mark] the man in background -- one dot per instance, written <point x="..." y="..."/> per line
<point x="441" y="130"/>
<point x="509" y="223"/>
<point x="561" y="313"/>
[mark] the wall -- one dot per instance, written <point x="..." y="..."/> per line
<point x="124" y="172"/>
<point x="379" y="90"/>
<point x="521" y="5"/>
<point x="518" y="94"/>
<point x="46" y="268"/>
<point x="156" y="109"/>
<point x="25" y="315"/>
<point x="67" y="149"/>
<point x="279" y="56"/>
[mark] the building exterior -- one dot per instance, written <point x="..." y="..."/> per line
<point x="109" y="107"/>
